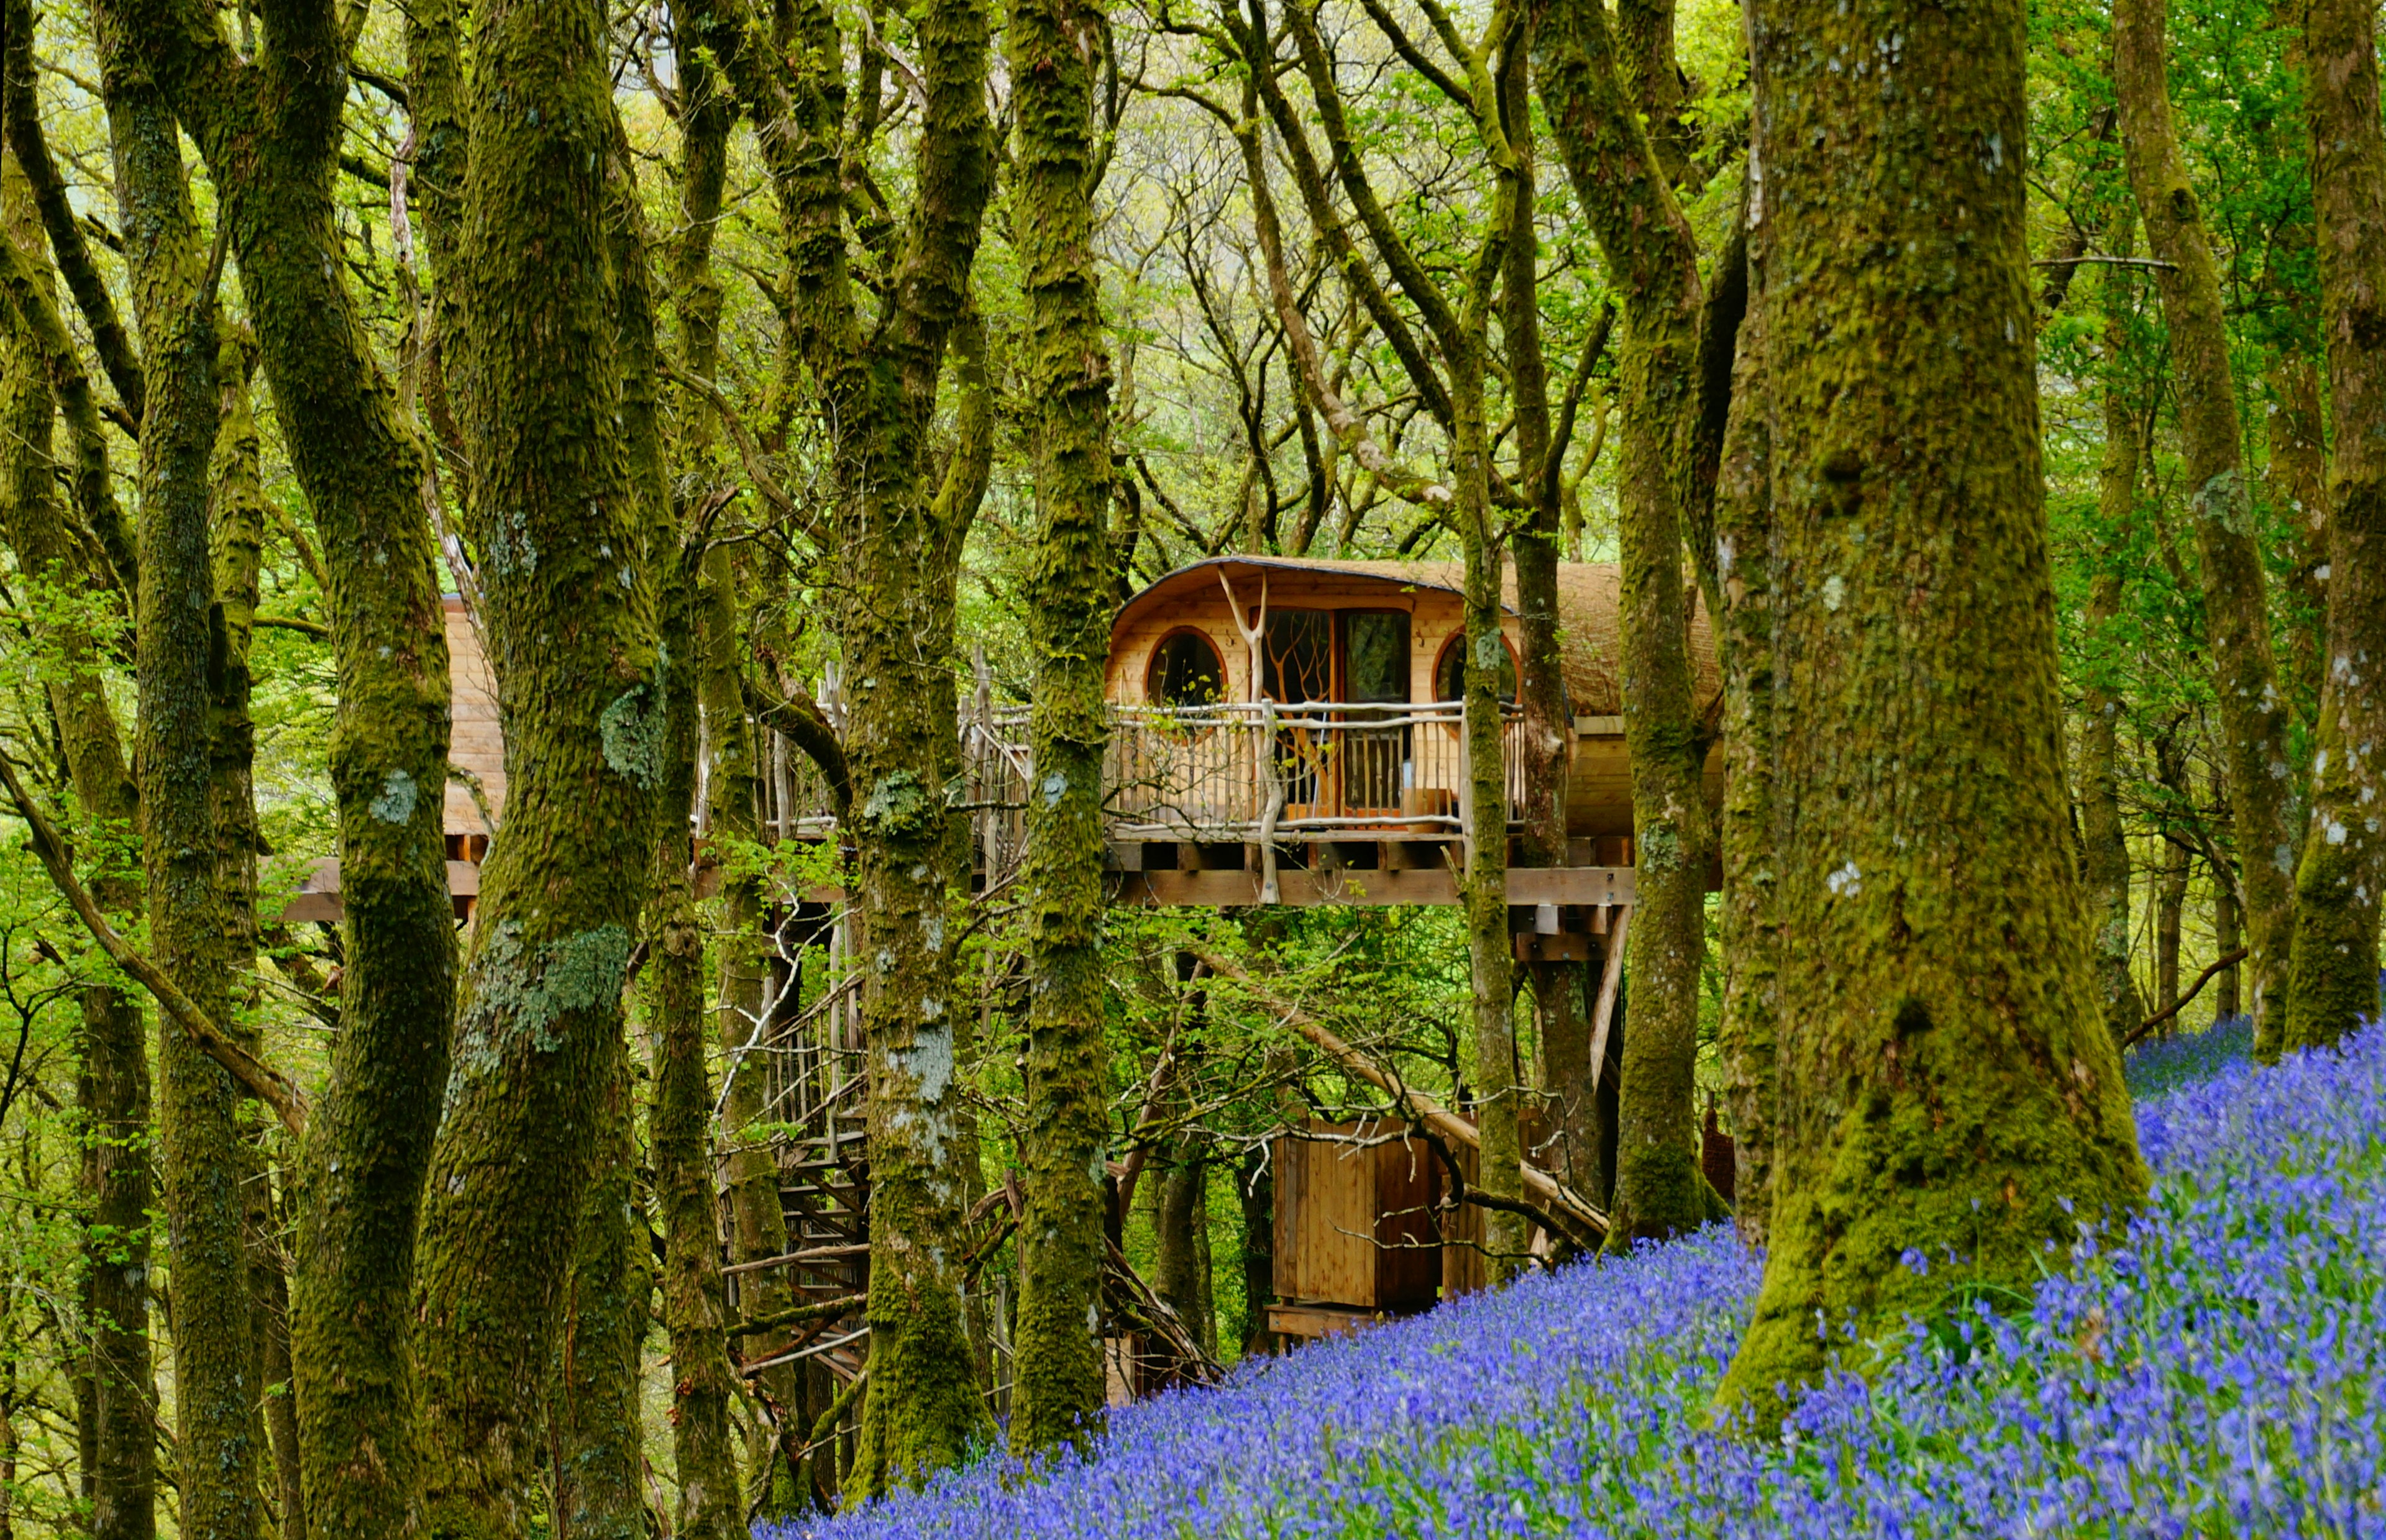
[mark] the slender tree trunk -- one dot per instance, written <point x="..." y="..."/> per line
<point x="1947" y="1076"/>
<point x="2170" y="909"/>
<point x="1058" y="1392"/>
<point x="678" y="1125"/>
<point x="2253" y="713"/>
<point x="597" y="1439"/>
<point x="1751" y="1027"/>
<point x="2170" y="883"/>
<point x="758" y="1223"/>
<point x="113" y="1089"/>
<point x="237" y="513"/>
<point x="1499" y="1084"/>
<point x="2343" y="861"/>
<point x="2226" y="1001"/>
<point x="1176" y="1268"/>
<point x="1255" y="1188"/>
<point x="554" y="372"/>
<point x="1546" y="741"/>
<point x="2105" y="865"/>
<point x="1623" y="192"/>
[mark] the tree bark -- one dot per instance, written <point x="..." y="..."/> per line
<point x="2253" y="713"/>
<point x="1058" y="1391"/>
<point x="269" y="132"/>
<point x="1750" y="1031"/>
<point x="2105" y="853"/>
<point x="1624" y="193"/>
<point x="899" y="542"/>
<point x="679" y="1122"/>
<point x="236" y="516"/>
<point x="597" y="1439"/>
<point x="2336" y="899"/>
<point x="1255" y="1188"/>
<point x="553" y="377"/>
<point x="2297" y="476"/>
<point x="1947" y="1076"/>
<point x="205" y="1156"/>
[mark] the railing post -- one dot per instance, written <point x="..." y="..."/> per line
<point x="1268" y="890"/>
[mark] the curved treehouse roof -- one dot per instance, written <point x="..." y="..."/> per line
<point x="1589" y="601"/>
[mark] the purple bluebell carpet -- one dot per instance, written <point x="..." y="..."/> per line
<point x="2212" y="1371"/>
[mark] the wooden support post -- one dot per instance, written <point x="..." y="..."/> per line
<point x="1610" y="976"/>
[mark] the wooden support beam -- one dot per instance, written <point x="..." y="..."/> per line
<point x="1588" y="886"/>
<point x="1316" y="1321"/>
<point x="1610" y="976"/>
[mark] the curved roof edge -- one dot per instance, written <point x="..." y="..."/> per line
<point x="1589" y="605"/>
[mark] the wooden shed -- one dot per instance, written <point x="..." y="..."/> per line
<point x="1356" y="1233"/>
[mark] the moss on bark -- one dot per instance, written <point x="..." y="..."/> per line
<point x="1750" y="1032"/>
<point x="269" y="130"/>
<point x="900" y="540"/>
<point x="2335" y="954"/>
<point x="1058" y="1391"/>
<point x="2105" y="863"/>
<point x="1949" y="1083"/>
<point x="599" y="1442"/>
<point x="205" y="1157"/>
<point x="1623" y="189"/>
<point x="679" y="1120"/>
<point x="554" y="381"/>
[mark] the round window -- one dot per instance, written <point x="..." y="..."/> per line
<point x="1186" y="670"/>
<point x="1449" y="672"/>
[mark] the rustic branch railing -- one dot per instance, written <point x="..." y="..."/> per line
<point x="1211" y="773"/>
<point x="1239" y="772"/>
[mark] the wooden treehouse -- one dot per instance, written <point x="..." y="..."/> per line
<point x="1284" y="732"/>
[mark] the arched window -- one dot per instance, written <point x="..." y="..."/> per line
<point x="1186" y="670"/>
<point x="1450" y="671"/>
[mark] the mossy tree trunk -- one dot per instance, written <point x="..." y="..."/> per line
<point x="707" y="35"/>
<point x="897" y="536"/>
<point x="1750" y="1031"/>
<point x="269" y="130"/>
<point x="2253" y="712"/>
<point x="2296" y="479"/>
<point x="553" y="371"/>
<point x="1624" y="193"/>
<point x="2105" y="853"/>
<point x="1058" y="1390"/>
<point x="758" y="1224"/>
<point x="679" y="1122"/>
<point x="592" y="1400"/>
<point x="1561" y="1024"/>
<point x="1460" y="332"/>
<point x="113" y="1089"/>
<point x="2335" y="954"/>
<point x="236" y="514"/>
<point x="205" y="1155"/>
<point x="1949" y="1081"/>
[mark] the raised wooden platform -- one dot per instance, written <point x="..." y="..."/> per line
<point x="1567" y="887"/>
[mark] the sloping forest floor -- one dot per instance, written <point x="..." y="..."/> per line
<point x="2214" y="1370"/>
